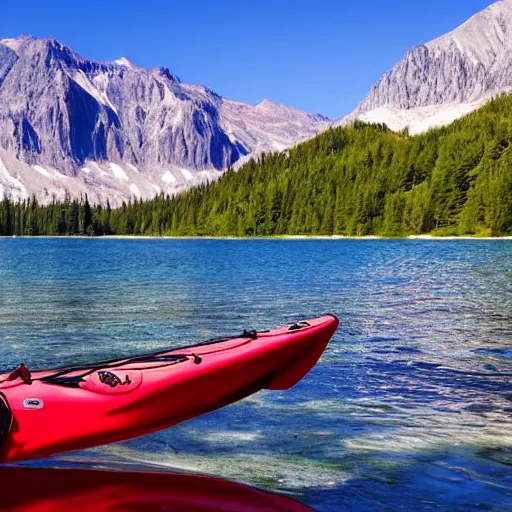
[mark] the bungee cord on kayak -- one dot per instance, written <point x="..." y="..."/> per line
<point x="25" y="374"/>
<point x="58" y="378"/>
<point x="53" y="411"/>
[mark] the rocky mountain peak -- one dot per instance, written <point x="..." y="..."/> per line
<point x="164" y="72"/>
<point x="441" y="80"/>
<point x="484" y="38"/>
<point x="123" y="61"/>
<point x="71" y="125"/>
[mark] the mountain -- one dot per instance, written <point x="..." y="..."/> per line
<point x="361" y="179"/>
<point x="440" y="81"/>
<point x="70" y="126"/>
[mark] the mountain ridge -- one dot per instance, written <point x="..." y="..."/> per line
<point x="63" y="115"/>
<point x="458" y="72"/>
<point x="356" y="180"/>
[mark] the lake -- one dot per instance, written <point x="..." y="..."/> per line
<point x="410" y="408"/>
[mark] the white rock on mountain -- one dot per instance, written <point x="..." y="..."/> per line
<point x="70" y="126"/>
<point x="444" y="79"/>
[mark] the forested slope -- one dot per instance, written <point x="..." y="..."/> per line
<point x="357" y="180"/>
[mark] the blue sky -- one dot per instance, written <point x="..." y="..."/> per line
<point x="317" y="55"/>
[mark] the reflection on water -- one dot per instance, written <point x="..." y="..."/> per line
<point x="409" y="409"/>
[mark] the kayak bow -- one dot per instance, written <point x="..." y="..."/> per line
<point x="47" y="412"/>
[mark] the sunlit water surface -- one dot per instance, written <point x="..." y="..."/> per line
<point x="410" y="408"/>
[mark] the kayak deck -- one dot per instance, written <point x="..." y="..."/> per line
<point x="82" y="406"/>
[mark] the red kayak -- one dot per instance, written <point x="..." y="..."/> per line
<point x="60" y="490"/>
<point x="47" y="412"/>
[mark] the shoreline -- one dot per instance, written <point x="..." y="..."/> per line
<point x="280" y="237"/>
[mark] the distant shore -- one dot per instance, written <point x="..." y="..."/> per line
<point x="303" y="237"/>
<point x="279" y="237"/>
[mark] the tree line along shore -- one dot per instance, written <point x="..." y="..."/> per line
<point x="358" y="180"/>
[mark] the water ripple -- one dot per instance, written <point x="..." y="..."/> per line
<point x="409" y="409"/>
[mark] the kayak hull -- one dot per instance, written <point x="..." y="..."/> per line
<point x="116" y="401"/>
<point x="53" y="489"/>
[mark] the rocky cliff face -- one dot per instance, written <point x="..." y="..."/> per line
<point x="438" y="81"/>
<point x="70" y="125"/>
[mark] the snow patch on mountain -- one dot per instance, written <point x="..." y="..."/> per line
<point x="440" y="81"/>
<point x="11" y="187"/>
<point x="186" y="174"/>
<point x="421" y="119"/>
<point x="41" y="170"/>
<point x="118" y="172"/>
<point x="167" y="177"/>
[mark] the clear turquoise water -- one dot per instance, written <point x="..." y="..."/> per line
<point x="409" y="409"/>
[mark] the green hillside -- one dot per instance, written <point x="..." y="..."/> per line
<point x="357" y="180"/>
